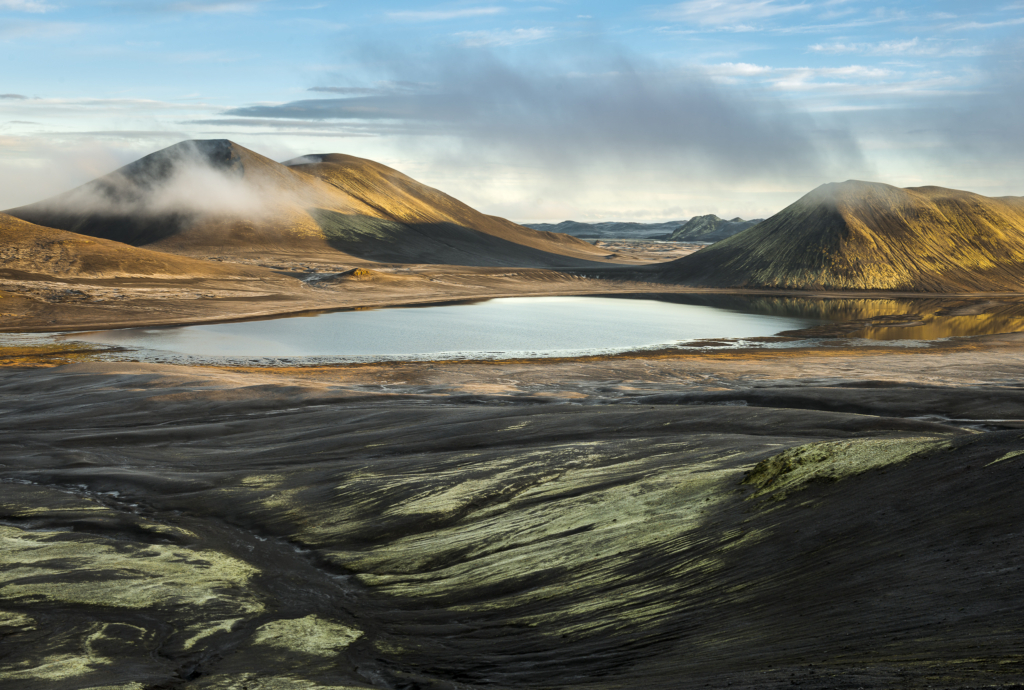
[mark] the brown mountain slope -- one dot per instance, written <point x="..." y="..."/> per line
<point x="400" y="198"/>
<point x="31" y="249"/>
<point x="871" y="236"/>
<point x="214" y="196"/>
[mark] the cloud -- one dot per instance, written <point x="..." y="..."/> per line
<point x="345" y="129"/>
<point x="439" y="15"/>
<point x="914" y="47"/>
<point x="728" y="12"/>
<point x="504" y="37"/>
<point x="210" y="7"/>
<point x="190" y="177"/>
<point x="974" y="26"/>
<point x="26" y="6"/>
<point x="601" y="111"/>
<point x="848" y="88"/>
<point x="13" y="96"/>
<point x="196" y="7"/>
<point x="39" y="29"/>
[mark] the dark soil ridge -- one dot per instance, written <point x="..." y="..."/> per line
<point x="424" y="541"/>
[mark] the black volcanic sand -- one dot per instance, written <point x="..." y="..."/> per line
<point x="831" y="519"/>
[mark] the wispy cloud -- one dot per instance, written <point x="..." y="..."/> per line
<point x="13" y="96"/>
<point x="211" y="7"/>
<point x="39" y="29"/>
<point x="504" y="37"/>
<point x="728" y="12"/>
<point x="970" y="26"/>
<point x="26" y="6"/>
<point x="800" y="78"/>
<point x="911" y="47"/>
<point x="195" y="7"/>
<point x="440" y="15"/>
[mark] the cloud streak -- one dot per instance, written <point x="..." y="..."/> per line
<point x="912" y="47"/>
<point x="728" y="12"/>
<point x="510" y="37"/>
<point x="26" y="6"/>
<point x="441" y="15"/>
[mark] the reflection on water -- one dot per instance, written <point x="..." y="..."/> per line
<point x="813" y="308"/>
<point x="570" y="326"/>
<point x="934" y="326"/>
<point x="879" y="319"/>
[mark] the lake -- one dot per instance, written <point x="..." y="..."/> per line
<point x="541" y="327"/>
<point x="505" y="328"/>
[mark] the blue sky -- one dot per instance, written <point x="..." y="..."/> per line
<point x="532" y="110"/>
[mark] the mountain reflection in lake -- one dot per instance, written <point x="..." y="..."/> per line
<point x="567" y="326"/>
<point x="927" y="318"/>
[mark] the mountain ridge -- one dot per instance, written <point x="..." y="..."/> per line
<point x="711" y="228"/>
<point x="203" y="196"/>
<point x="858" y="235"/>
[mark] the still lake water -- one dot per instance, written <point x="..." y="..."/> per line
<point x="555" y="326"/>
<point x="509" y="327"/>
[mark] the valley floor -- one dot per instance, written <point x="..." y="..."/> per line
<point x="830" y="517"/>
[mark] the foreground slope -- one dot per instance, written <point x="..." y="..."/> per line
<point x="169" y="527"/>
<point x="214" y="196"/>
<point x="865" y="235"/>
<point x="39" y="251"/>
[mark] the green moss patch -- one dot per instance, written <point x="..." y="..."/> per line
<point x="791" y="470"/>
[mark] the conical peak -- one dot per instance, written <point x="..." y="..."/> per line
<point x="219" y="154"/>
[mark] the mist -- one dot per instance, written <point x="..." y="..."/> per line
<point x="197" y="178"/>
<point x="602" y="113"/>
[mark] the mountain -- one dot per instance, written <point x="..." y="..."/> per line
<point x="429" y="222"/>
<point x="710" y="228"/>
<point x="611" y="230"/>
<point x="869" y="236"/>
<point x="38" y="251"/>
<point x="214" y="196"/>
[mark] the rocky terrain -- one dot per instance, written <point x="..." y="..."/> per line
<point x="826" y="518"/>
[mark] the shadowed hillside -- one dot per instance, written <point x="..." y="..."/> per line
<point x="31" y="249"/>
<point x="406" y="202"/>
<point x="199" y="197"/>
<point x="864" y="235"/>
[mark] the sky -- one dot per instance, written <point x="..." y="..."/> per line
<point x="537" y="111"/>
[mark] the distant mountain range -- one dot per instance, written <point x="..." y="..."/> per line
<point x="709" y="228"/>
<point x="869" y="236"/>
<point x="610" y="230"/>
<point x="214" y="196"/>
